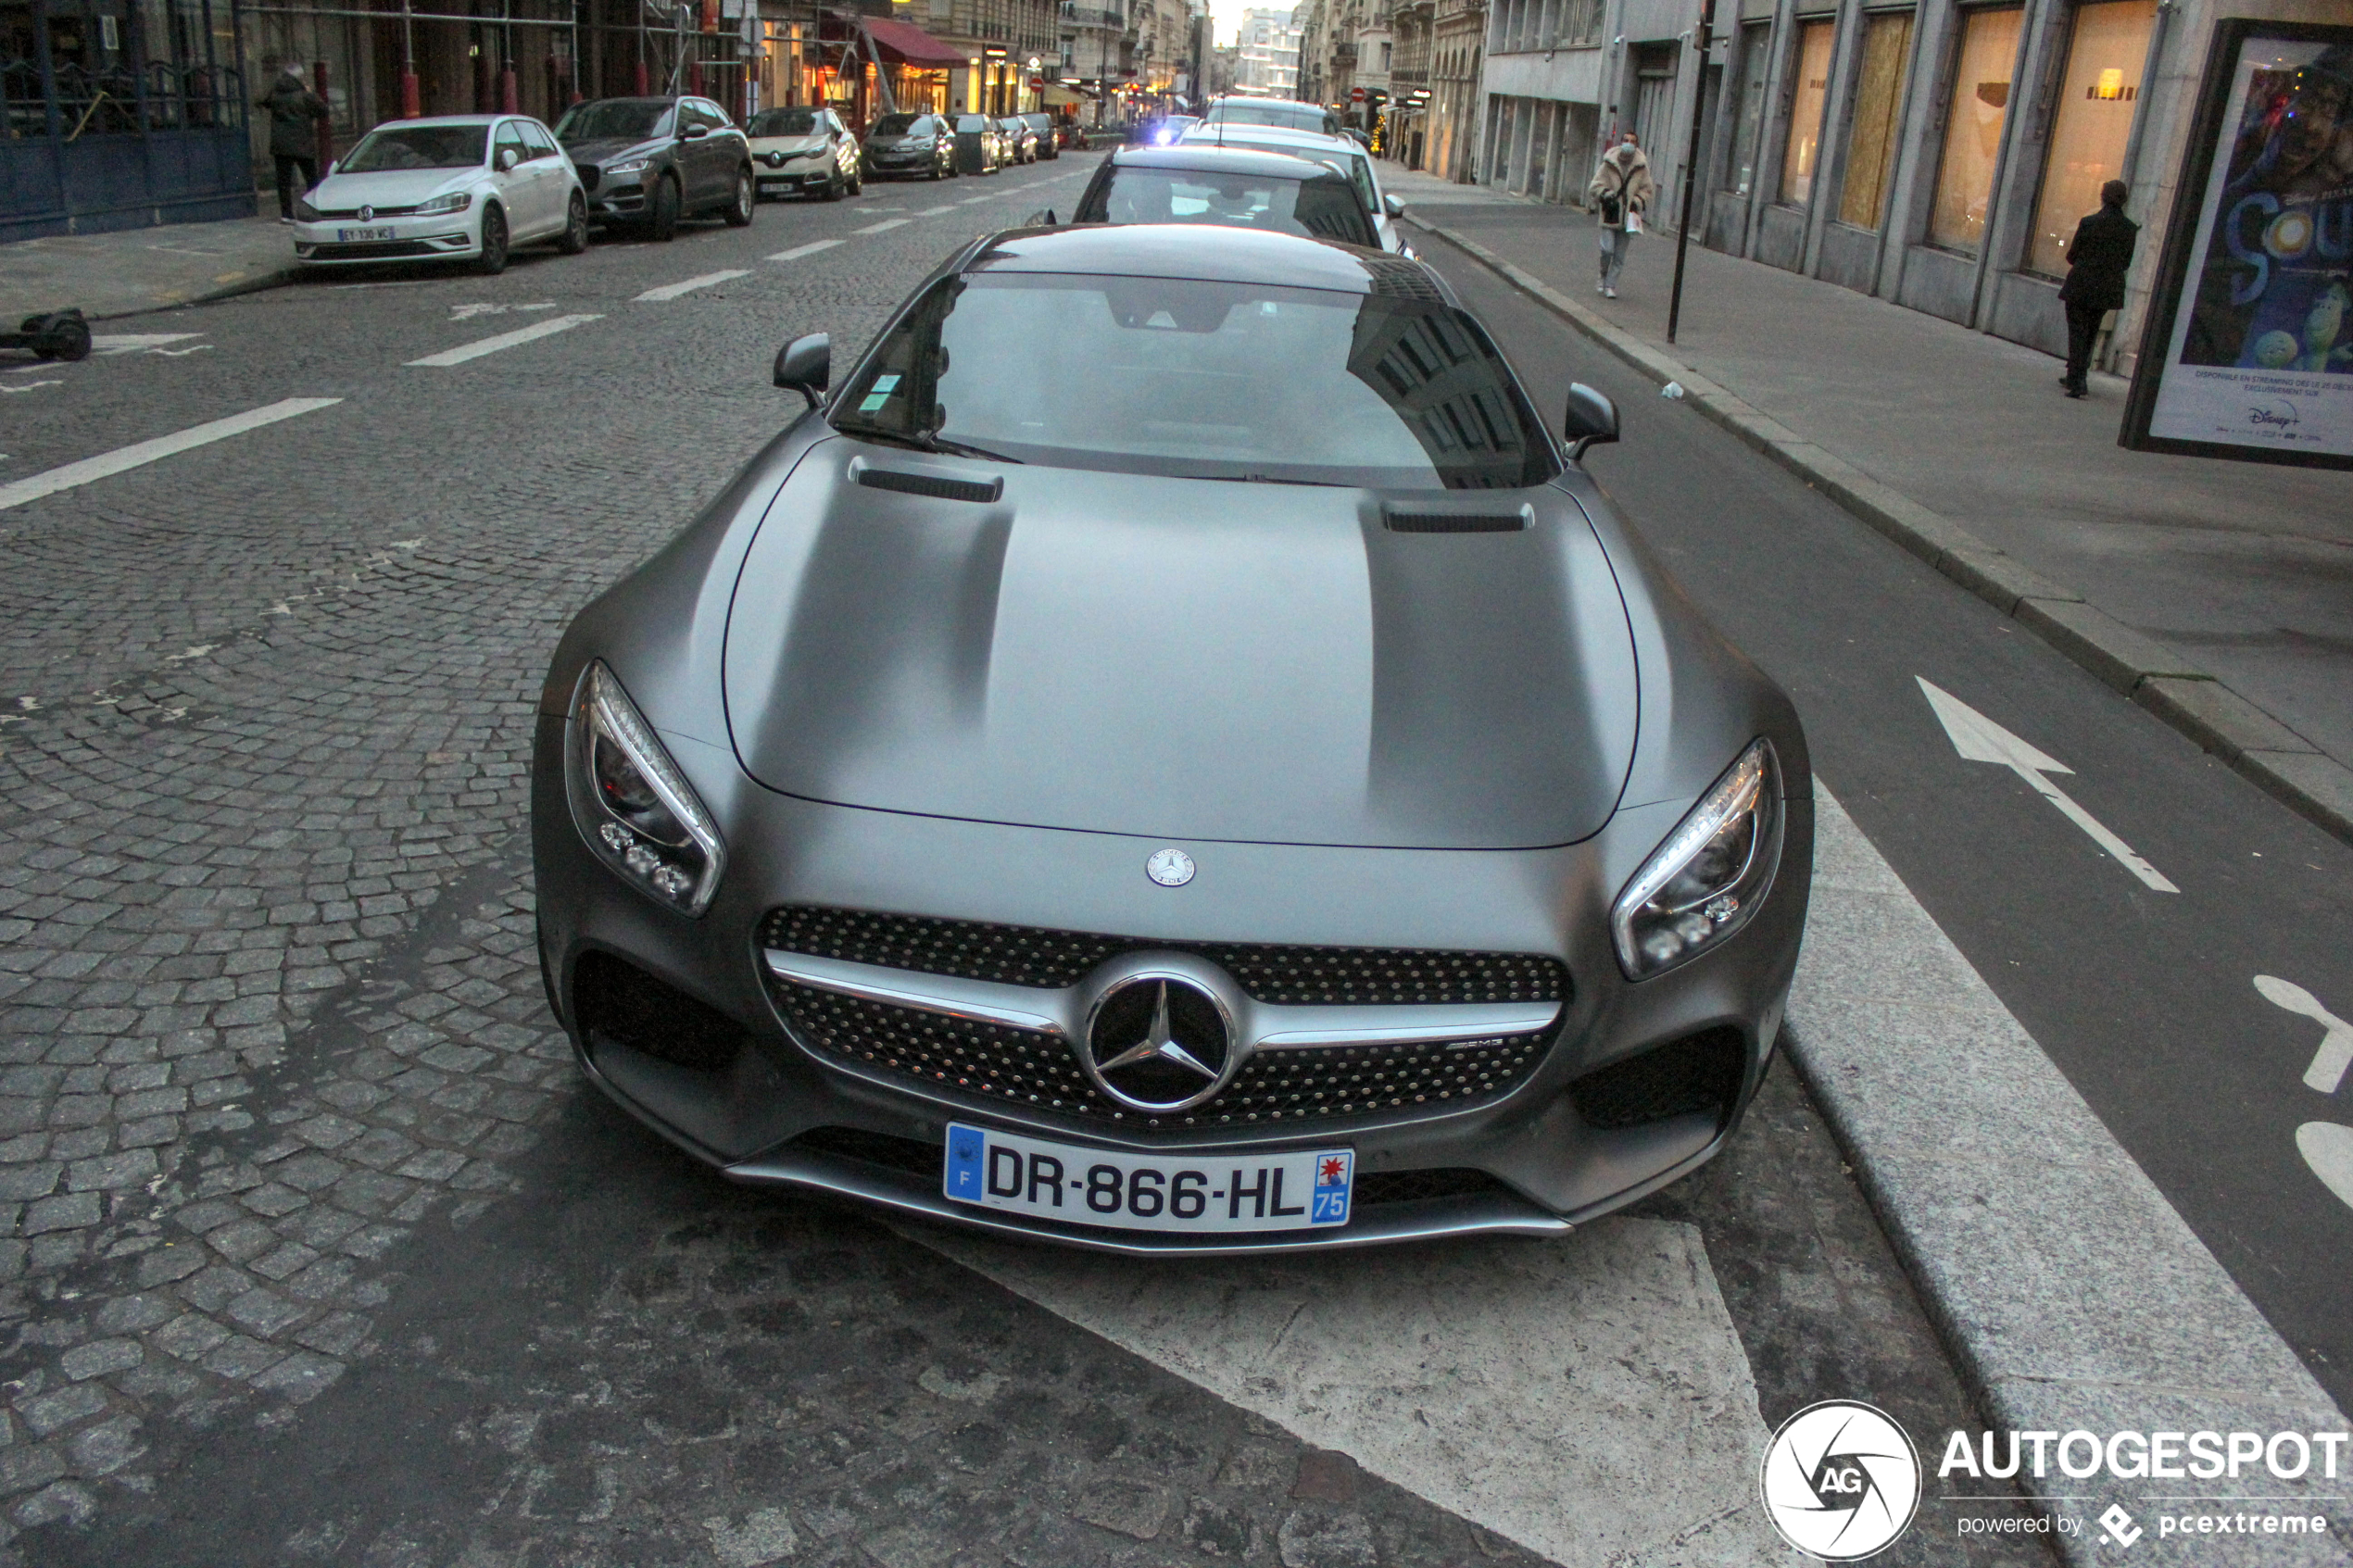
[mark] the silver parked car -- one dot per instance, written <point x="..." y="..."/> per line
<point x="1170" y="754"/>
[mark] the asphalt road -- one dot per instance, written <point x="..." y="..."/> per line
<point x="2145" y="999"/>
<point x="315" y="1247"/>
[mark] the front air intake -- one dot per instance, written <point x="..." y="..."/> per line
<point x="1699" y="1073"/>
<point x="614" y="1000"/>
<point x="1457" y="522"/>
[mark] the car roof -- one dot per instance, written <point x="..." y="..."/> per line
<point x="636" y="98"/>
<point x="1284" y="135"/>
<point x="1208" y="157"/>
<point x="450" y="119"/>
<point x="1208" y="252"/>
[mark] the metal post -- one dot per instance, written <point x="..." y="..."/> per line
<point x="326" y="122"/>
<point x="1691" y="163"/>
<point x="412" y="101"/>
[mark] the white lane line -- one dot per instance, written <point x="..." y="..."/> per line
<point x="936" y="211"/>
<point x="969" y="201"/>
<point x="886" y="223"/>
<point x="1979" y="739"/>
<point x="1456" y="1371"/>
<point x="671" y="291"/>
<point x="504" y="340"/>
<point x="132" y="343"/>
<point x="143" y="452"/>
<point x="811" y="248"/>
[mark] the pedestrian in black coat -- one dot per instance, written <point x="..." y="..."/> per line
<point x="294" y="113"/>
<point x="2097" y="259"/>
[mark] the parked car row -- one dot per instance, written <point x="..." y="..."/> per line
<point x="472" y="187"/>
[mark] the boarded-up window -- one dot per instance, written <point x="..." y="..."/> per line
<point x="1803" y="149"/>
<point x="1879" y="95"/>
<point x="1973" y="128"/>
<point x="2098" y="99"/>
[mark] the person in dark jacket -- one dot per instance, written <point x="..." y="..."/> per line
<point x="2097" y="259"/>
<point x="294" y="113"/>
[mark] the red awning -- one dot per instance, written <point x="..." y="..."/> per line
<point x="907" y="44"/>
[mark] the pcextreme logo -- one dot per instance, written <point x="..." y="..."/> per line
<point x="1841" y="1480"/>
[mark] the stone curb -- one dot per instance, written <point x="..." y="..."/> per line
<point x="283" y="276"/>
<point x="2250" y="742"/>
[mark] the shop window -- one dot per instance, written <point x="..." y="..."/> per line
<point x="1756" y="58"/>
<point x="1878" y="96"/>
<point x="1981" y="84"/>
<point x="2098" y="98"/>
<point x="1804" y="148"/>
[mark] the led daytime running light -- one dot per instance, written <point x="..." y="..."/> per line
<point x="683" y="875"/>
<point x="1747" y="793"/>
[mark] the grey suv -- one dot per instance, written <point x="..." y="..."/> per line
<point x="647" y="162"/>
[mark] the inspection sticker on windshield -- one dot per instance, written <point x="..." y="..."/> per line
<point x="1303" y="1190"/>
<point x="884" y="387"/>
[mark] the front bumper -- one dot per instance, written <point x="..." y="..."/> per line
<point x="774" y="1110"/>
<point x="795" y="177"/>
<point x="448" y="237"/>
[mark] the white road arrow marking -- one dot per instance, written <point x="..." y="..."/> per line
<point x="2328" y="1149"/>
<point x="2327" y="1072"/>
<point x="1979" y="739"/>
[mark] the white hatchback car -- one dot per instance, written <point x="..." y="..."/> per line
<point x="462" y="188"/>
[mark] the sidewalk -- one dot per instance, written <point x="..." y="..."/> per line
<point x="136" y="269"/>
<point x="2212" y="593"/>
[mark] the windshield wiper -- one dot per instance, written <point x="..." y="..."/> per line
<point x="1270" y="479"/>
<point x="925" y="440"/>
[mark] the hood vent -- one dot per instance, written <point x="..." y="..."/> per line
<point x="1401" y="522"/>
<point x="934" y="485"/>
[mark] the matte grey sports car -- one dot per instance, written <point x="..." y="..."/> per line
<point x="1171" y="755"/>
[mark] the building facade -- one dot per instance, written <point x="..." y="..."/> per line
<point x="1937" y="155"/>
<point x="1346" y="50"/>
<point x="1267" y="60"/>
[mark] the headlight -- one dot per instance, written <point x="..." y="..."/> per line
<point x="1710" y="875"/>
<point x="303" y="211"/>
<point x="629" y="166"/>
<point x="456" y="201"/>
<point x="633" y="806"/>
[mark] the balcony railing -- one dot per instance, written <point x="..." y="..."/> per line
<point x="1092" y="16"/>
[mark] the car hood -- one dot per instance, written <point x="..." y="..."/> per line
<point x="1180" y="659"/>
<point x="397" y="187"/>
<point x="610" y="149"/>
<point x="791" y="147"/>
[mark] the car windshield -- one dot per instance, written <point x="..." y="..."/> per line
<point x="1324" y="208"/>
<point x="418" y="146"/>
<point x="634" y="119"/>
<point x="1199" y="379"/>
<point x="1301" y="117"/>
<point x="900" y="125"/>
<point x="973" y="122"/>
<point x="784" y="122"/>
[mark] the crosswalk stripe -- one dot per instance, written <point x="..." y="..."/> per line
<point x="145" y="452"/>
<point x="475" y="350"/>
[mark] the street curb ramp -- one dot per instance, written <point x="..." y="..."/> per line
<point x="2217" y="720"/>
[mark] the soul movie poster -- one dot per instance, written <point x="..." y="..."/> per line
<point x="2260" y="356"/>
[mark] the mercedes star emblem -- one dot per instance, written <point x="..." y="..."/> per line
<point x="1170" y="867"/>
<point x="1158" y="1042"/>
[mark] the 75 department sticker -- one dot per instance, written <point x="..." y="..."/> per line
<point x="1841" y="1480"/>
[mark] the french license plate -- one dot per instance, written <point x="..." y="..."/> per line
<point x="1303" y="1190"/>
<point x="355" y="236"/>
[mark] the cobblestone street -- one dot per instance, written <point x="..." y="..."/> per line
<point x="317" y="1247"/>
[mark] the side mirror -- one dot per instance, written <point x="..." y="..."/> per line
<point x="331" y="168"/>
<point x="694" y="133"/>
<point x="505" y="160"/>
<point x="1592" y="420"/>
<point x="1045" y="219"/>
<point x="1391" y="206"/>
<point x="806" y="365"/>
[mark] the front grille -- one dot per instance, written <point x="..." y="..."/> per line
<point x="381" y="250"/>
<point x="374" y="212"/>
<point x="1701" y="1073"/>
<point x="1021" y="955"/>
<point x="1274" y="1088"/>
<point x="915" y="1157"/>
<point x="612" y="999"/>
<point x="588" y="174"/>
